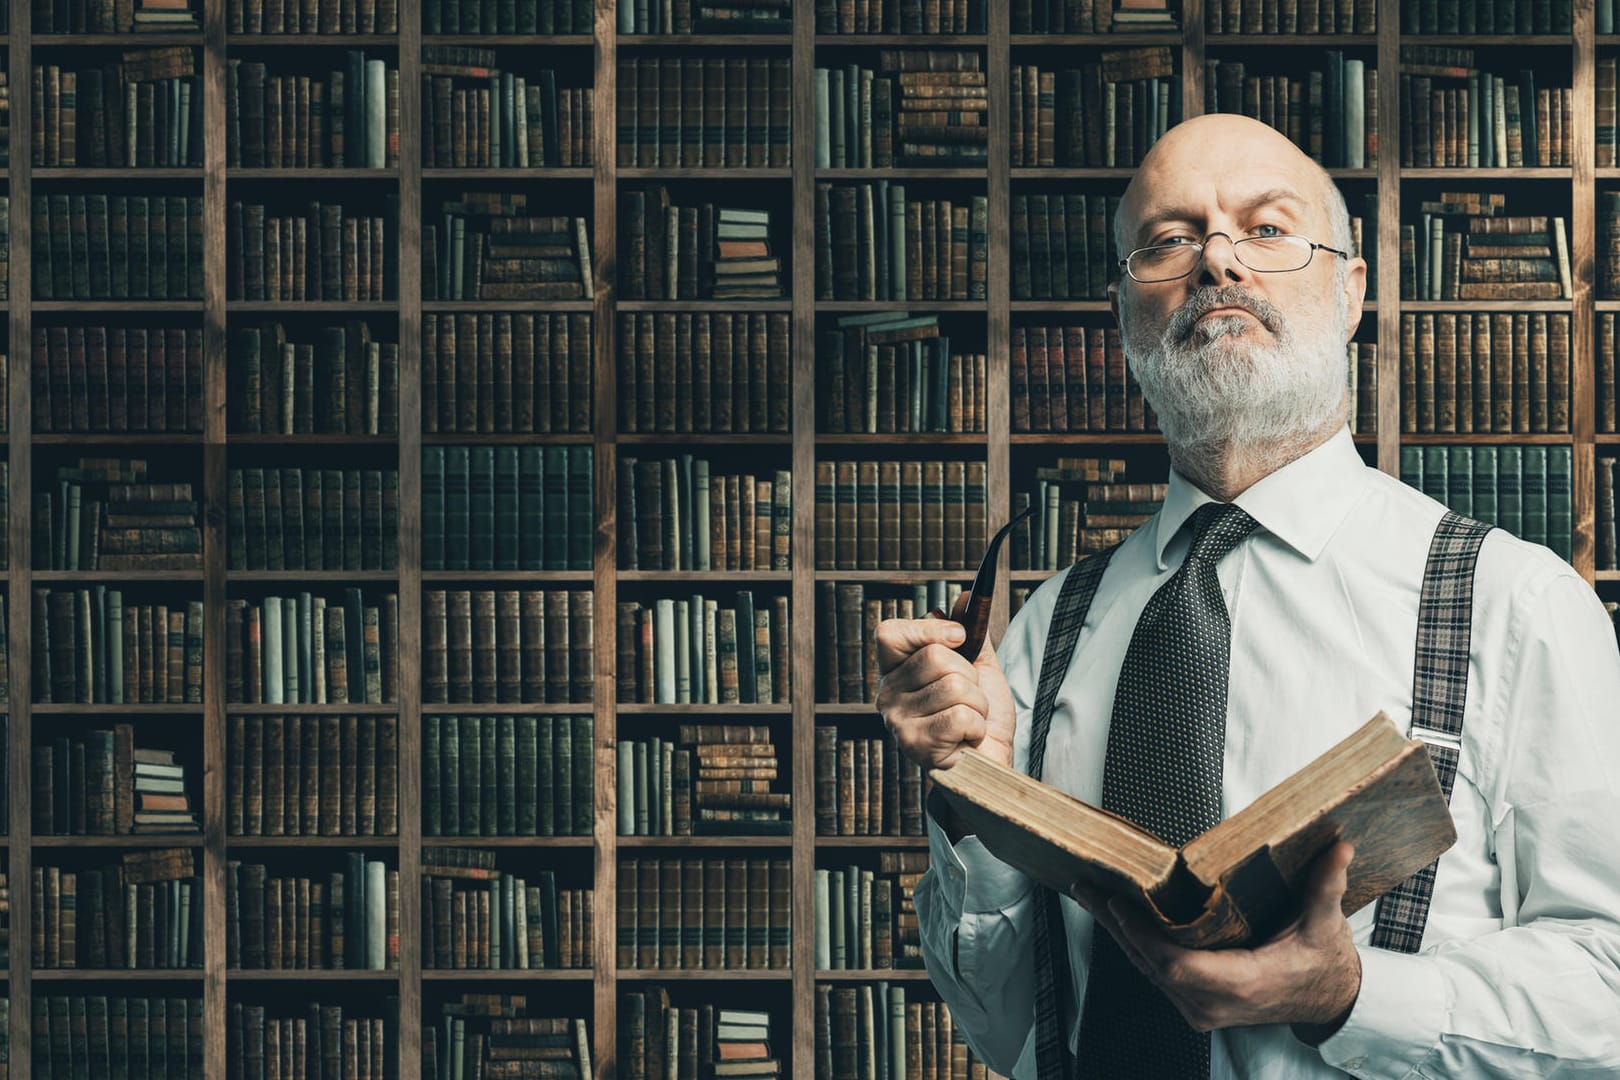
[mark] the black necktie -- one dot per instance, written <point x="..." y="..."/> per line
<point x="1166" y="742"/>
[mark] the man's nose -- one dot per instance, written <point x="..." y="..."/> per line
<point x="1220" y="262"/>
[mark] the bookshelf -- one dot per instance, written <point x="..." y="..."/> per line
<point x="595" y="189"/>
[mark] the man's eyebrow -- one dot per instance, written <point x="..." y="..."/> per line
<point x="1181" y="213"/>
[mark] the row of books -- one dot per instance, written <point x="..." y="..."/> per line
<point x="1491" y="257"/>
<point x="311" y="775"/>
<point x="475" y="916"/>
<point x="730" y="111"/>
<point x="90" y="647"/>
<point x="325" y="17"/>
<point x="899" y="515"/>
<point x="484" y="247"/>
<point x="915" y="108"/>
<point x="1608" y="384"/>
<point x="693" y="651"/>
<point x="158" y="1037"/>
<point x="116" y="379"/>
<point x="312" y="519"/>
<point x="1492" y="120"/>
<point x="480" y="1034"/>
<point x="671" y="252"/>
<point x="1525" y="490"/>
<point x="94" y="246"/>
<point x="143" y="112"/>
<point x="1607" y="108"/>
<point x="345" y="920"/>
<point x="507" y="775"/>
<point x="1608" y="545"/>
<point x="510" y="645"/>
<point x="679" y="514"/>
<point x="1062" y="246"/>
<point x="507" y="372"/>
<point x="312" y="650"/>
<point x="864" y="786"/>
<point x="711" y="780"/>
<point x="326" y="1042"/>
<point x="706" y="17"/>
<point x="1070" y="520"/>
<point x="1294" y="17"/>
<point x="849" y="613"/>
<point x="328" y="252"/>
<point x="102" y="784"/>
<point x="1331" y="113"/>
<point x="348" y="120"/>
<point x="658" y="1039"/>
<point x="704" y="914"/>
<point x="503" y="120"/>
<point x="865" y="919"/>
<point x="1608" y="245"/>
<point x="892" y="371"/>
<point x="1103" y="114"/>
<point x="120" y="17"/>
<point x="901" y="17"/>
<point x="873" y="1030"/>
<point x="522" y="17"/>
<point x="1074" y="378"/>
<point x="704" y="372"/>
<point x="142" y="912"/>
<point x="872" y="243"/>
<point x="507" y="508"/>
<point x="103" y="515"/>
<point x="342" y="383"/>
<point x="1501" y="372"/>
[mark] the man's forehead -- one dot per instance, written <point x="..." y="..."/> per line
<point x="1164" y="197"/>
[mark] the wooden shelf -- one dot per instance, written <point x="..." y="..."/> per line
<point x="934" y="41"/>
<point x="1455" y="439"/>
<point x="143" y="840"/>
<point x="524" y="842"/>
<point x="527" y="175"/>
<point x="704" y="41"/>
<point x="895" y="577"/>
<point x="887" y="440"/>
<point x="240" y="709"/>
<point x="716" y="711"/>
<point x="505" y="975"/>
<point x="674" y="975"/>
<point x="1454" y="174"/>
<point x="346" y="41"/>
<point x="882" y="843"/>
<point x="704" y="841"/>
<point x="133" y="438"/>
<point x="720" y="577"/>
<point x="118" y="975"/>
<point x="476" y="306"/>
<point x="1295" y="41"/>
<point x="313" y="439"/>
<point x="193" y="38"/>
<point x="132" y="710"/>
<point x="48" y="172"/>
<point x="715" y="172"/>
<point x="158" y="307"/>
<point x="343" y="842"/>
<point x="873" y="975"/>
<point x="703" y="439"/>
<point x="322" y="174"/>
<point x="518" y="577"/>
<point x="388" y="976"/>
<point x="448" y="438"/>
<point x="87" y="577"/>
<point x="313" y="577"/>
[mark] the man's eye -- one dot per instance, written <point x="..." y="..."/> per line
<point x="1175" y="241"/>
<point x="1275" y="231"/>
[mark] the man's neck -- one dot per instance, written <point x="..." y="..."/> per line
<point x="1223" y="471"/>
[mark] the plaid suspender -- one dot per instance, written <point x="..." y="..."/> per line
<point x="1439" y="692"/>
<point x="1054" y="988"/>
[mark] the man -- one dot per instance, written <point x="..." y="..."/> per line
<point x="1196" y="684"/>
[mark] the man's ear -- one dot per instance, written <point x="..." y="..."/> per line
<point x="1355" y="291"/>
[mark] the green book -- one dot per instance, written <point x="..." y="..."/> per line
<point x="506" y="508"/>
<point x="581" y="520"/>
<point x="471" y="756"/>
<point x="457" y="508"/>
<point x="563" y="774"/>
<point x="431" y="791"/>
<point x="546" y="770"/>
<point x="1560" y="513"/>
<point x="1533" y="483"/>
<point x="433" y="507"/>
<point x="584" y="774"/>
<point x="1435" y="479"/>
<point x="488" y="798"/>
<point x="557" y="504"/>
<point x="1509" y="489"/>
<point x="450" y="776"/>
<point x="506" y="776"/>
<point x="531" y="508"/>
<point x="481" y="508"/>
<point x="528" y="789"/>
<point x="1460" y="480"/>
<point x="1485" y="484"/>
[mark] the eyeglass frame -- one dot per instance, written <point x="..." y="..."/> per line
<point x="1202" y="245"/>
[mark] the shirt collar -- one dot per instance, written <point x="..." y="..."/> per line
<point x="1301" y="503"/>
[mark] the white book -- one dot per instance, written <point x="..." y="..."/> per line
<point x="626" y="775"/>
<point x="683" y="652"/>
<point x="376" y="900"/>
<point x="823" y="927"/>
<point x="664" y="651"/>
<point x="289" y="650"/>
<point x="270" y="641"/>
<point x="376" y="114"/>
<point x="1355" y="113"/>
<point x="711" y="651"/>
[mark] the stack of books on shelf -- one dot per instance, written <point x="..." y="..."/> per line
<point x="899" y="515"/>
<point x="874" y="244"/>
<point x="711" y="780"/>
<point x="350" y="119"/>
<point x="943" y="106"/>
<point x="706" y="17"/>
<point x="507" y="775"/>
<point x="1331" y="114"/>
<point x="312" y="1039"/>
<point x="496" y="118"/>
<point x="742" y="265"/>
<point x="486" y="248"/>
<point x="90" y="647"/>
<point x="508" y="645"/>
<point x="891" y="371"/>
<point x="1499" y="372"/>
<point x="865" y="919"/>
<point x="496" y="1035"/>
<point x="507" y="507"/>
<point x="1080" y="508"/>
<point x="1454" y="114"/>
<point x="311" y="775"/>
<point x="523" y="17"/>
<point x="144" y="912"/>
<point x="1488" y="255"/>
<point x="476" y="916"/>
<point x="872" y="1030"/>
<point x="658" y="1039"/>
<point x="1103" y="114"/>
<point x="165" y="16"/>
<point x="732" y="111"/>
<point x="677" y="514"/>
<point x="1523" y="489"/>
<point x="346" y="919"/>
<point x="99" y="246"/>
<point x="1064" y="16"/>
<point x="104" y="516"/>
<point x="693" y="651"/>
<point x="103" y="785"/>
<point x="142" y="112"/>
<point x="865" y="786"/>
<point x="901" y="17"/>
<point x="849" y="613"/>
<point x="117" y="379"/>
<point x="165" y="1034"/>
<point x="1141" y="16"/>
<point x="671" y="252"/>
<point x="1294" y="17"/>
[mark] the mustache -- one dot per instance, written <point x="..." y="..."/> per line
<point x="1185" y="319"/>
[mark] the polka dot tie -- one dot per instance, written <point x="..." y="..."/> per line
<point x="1163" y="771"/>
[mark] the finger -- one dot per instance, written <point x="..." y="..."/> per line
<point x="928" y="664"/>
<point x="897" y="639"/>
<point x="1324" y="890"/>
<point x="1157" y="952"/>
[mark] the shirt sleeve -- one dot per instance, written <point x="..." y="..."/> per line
<point x="1540" y="996"/>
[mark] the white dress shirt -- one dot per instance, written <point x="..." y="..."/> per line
<point x="1519" y="974"/>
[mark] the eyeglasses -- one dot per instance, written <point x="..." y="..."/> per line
<point x="1264" y="254"/>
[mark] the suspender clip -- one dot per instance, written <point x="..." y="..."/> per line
<point x="1437" y="737"/>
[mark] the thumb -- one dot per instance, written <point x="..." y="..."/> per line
<point x="1326" y="884"/>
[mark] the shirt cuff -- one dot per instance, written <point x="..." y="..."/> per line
<point x="976" y="879"/>
<point x="1397" y="1019"/>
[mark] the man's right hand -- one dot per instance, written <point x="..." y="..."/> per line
<point x="936" y="702"/>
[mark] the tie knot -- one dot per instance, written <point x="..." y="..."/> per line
<point x="1217" y="529"/>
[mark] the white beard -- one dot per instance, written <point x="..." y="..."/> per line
<point x="1234" y="389"/>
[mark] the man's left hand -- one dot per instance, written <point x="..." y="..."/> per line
<point x="1307" y="975"/>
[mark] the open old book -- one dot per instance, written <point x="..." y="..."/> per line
<point x="1235" y="884"/>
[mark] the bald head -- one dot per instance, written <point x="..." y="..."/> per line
<point x="1207" y="152"/>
